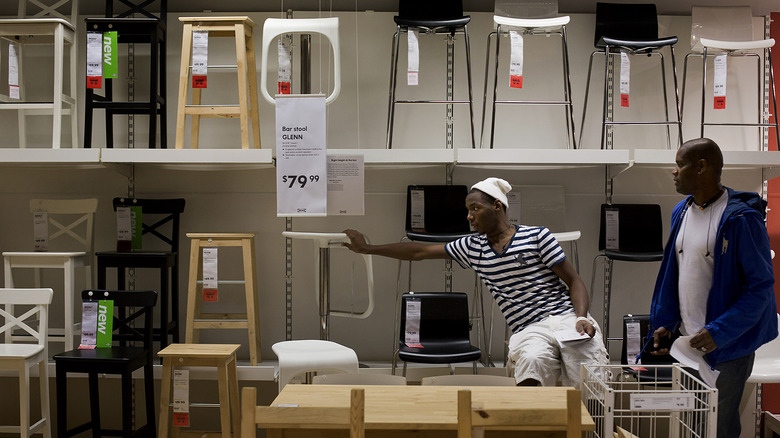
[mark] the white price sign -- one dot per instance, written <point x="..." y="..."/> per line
<point x="301" y="156"/>
<point x="41" y="230"/>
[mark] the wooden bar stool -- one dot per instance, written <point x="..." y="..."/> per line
<point x="196" y="320"/>
<point x="220" y="356"/>
<point x="239" y="28"/>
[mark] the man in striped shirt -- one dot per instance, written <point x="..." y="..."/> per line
<point x="526" y="271"/>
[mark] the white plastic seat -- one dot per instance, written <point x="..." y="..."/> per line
<point x="303" y="356"/>
<point x="22" y="357"/>
<point x="717" y="30"/>
<point x="323" y="242"/>
<point x="44" y="24"/>
<point x="328" y="27"/>
<point x="80" y="214"/>
<point x="468" y="380"/>
<point x="528" y="19"/>
<point x="358" y="379"/>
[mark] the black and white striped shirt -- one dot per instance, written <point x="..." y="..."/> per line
<point x="520" y="279"/>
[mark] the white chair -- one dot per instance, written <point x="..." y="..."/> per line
<point x="358" y="379"/>
<point x="718" y="30"/>
<point x="766" y="369"/>
<point x="42" y="22"/>
<point x="303" y="356"/>
<point x="22" y="357"/>
<point x="528" y="18"/>
<point x="70" y="221"/>
<point x="468" y="380"/>
<point x="328" y="27"/>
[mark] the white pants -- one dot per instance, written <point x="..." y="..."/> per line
<point x="537" y="355"/>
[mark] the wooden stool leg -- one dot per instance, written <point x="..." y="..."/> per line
<point x="195" y="119"/>
<point x="192" y="291"/>
<point x="235" y="403"/>
<point x="224" y="401"/>
<point x="250" y="288"/>
<point x="254" y="110"/>
<point x="165" y="398"/>
<point x="184" y="69"/>
<point x="241" y="60"/>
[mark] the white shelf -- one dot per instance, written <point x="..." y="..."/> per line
<point x="731" y="159"/>
<point x="400" y="157"/>
<point x="50" y="157"/>
<point x="191" y="158"/>
<point x="541" y="157"/>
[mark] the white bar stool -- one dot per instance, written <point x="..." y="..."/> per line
<point x="296" y="357"/>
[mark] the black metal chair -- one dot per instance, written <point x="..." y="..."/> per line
<point x="121" y="360"/>
<point x="436" y="17"/>
<point x="648" y="369"/>
<point x="155" y="213"/>
<point x="636" y="235"/>
<point x="148" y="29"/>
<point x="442" y="331"/>
<point x="633" y="29"/>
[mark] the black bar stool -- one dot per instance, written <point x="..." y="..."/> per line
<point x="132" y="30"/>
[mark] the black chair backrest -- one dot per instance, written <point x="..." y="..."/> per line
<point x="647" y="357"/>
<point x="130" y="8"/>
<point x="139" y="305"/>
<point x="633" y="22"/>
<point x="444" y="318"/>
<point x="430" y="9"/>
<point x="169" y="209"/>
<point x="444" y="209"/>
<point x="640" y="227"/>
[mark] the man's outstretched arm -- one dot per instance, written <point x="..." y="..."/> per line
<point x="401" y="250"/>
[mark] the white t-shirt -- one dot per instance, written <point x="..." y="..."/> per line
<point x="695" y="247"/>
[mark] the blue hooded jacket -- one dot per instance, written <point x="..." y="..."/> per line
<point x="741" y="308"/>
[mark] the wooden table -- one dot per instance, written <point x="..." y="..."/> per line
<point x="429" y="411"/>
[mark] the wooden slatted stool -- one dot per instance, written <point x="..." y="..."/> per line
<point x="196" y="320"/>
<point x="240" y="28"/>
<point x="220" y="356"/>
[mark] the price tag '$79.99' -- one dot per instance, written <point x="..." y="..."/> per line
<point x="298" y="181"/>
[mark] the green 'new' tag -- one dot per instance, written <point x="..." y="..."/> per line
<point x="110" y="55"/>
<point x="105" y="323"/>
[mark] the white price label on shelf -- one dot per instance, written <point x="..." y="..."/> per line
<point x="284" y="72"/>
<point x="346" y="185"/>
<point x="612" y="220"/>
<point x="412" y="329"/>
<point x="210" y="272"/>
<point x="516" y="60"/>
<point x="719" y="82"/>
<point x="94" y="59"/>
<point x="625" y="78"/>
<point x="89" y="316"/>
<point x="200" y="52"/>
<point x="413" y="57"/>
<point x="41" y="230"/>
<point x="633" y="341"/>
<point x="301" y="156"/>
<point x="673" y="401"/>
<point x="181" y="398"/>
<point x="14" y="92"/>
<point x="124" y="224"/>
<point x="417" y="209"/>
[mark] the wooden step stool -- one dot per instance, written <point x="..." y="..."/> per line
<point x="239" y="28"/>
<point x="220" y="356"/>
<point x="251" y="319"/>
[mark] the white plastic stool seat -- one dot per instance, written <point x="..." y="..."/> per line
<point x="328" y="27"/>
<point x="296" y="357"/>
<point x="737" y="45"/>
<point x="532" y="23"/>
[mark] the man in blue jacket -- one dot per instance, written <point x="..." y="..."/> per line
<point x="716" y="280"/>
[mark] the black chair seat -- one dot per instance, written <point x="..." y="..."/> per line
<point x="93" y="360"/>
<point x="636" y="44"/>
<point x="421" y="236"/>
<point x="625" y="256"/>
<point x="445" y="23"/>
<point x="128" y="25"/>
<point x="137" y="259"/>
<point x="443" y="353"/>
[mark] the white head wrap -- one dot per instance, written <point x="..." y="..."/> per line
<point x="495" y="187"/>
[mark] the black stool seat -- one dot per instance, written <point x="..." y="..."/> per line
<point x="137" y="259"/>
<point x="440" y="352"/>
<point x="624" y="256"/>
<point x="433" y="24"/>
<point x="102" y="360"/>
<point x="420" y="236"/>
<point x="636" y="44"/>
